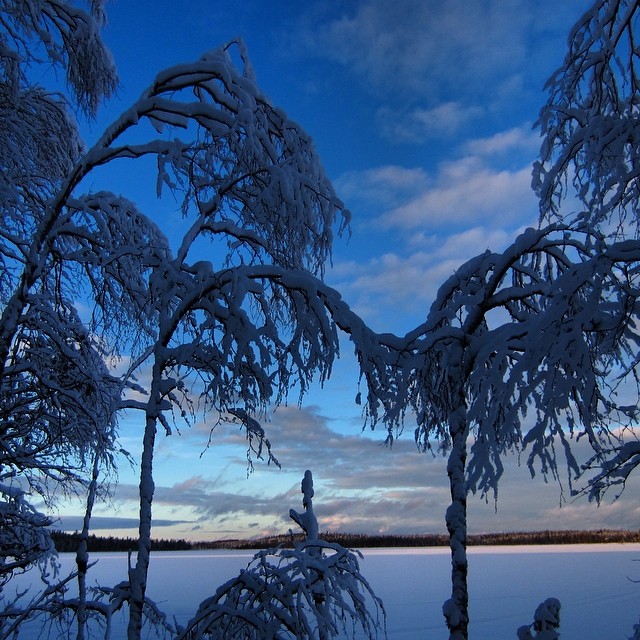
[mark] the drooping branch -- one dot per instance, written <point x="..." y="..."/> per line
<point x="590" y="123"/>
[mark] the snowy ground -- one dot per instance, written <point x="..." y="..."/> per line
<point x="593" y="583"/>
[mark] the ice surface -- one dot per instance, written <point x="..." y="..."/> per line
<point x="506" y="586"/>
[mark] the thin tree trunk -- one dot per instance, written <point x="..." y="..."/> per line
<point x="82" y="556"/>
<point x="138" y="575"/>
<point x="456" y="609"/>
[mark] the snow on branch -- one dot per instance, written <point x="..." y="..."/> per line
<point x="254" y="333"/>
<point x="530" y="342"/>
<point x="58" y="401"/>
<point x="246" y="163"/>
<point x="546" y="622"/>
<point x="611" y="468"/>
<point x="24" y="537"/>
<point x="307" y="520"/>
<point x="71" y="39"/>
<point x="256" y="438"/>
<point x="590" y="123"/>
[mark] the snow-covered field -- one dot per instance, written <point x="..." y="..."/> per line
<point x="594" y="583"/>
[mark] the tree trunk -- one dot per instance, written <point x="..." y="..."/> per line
<point x="456" y="609"/>
<point x="82" y="557"/>
<point x="138" y="575"/>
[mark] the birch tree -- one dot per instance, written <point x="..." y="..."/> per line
<point x="57" y="397"/>
<point x="260" y="323"/>
<point x="590" y="151"/>
<point x="532" y="348"/>
<point x="240" y="333"/>
<point x="521" y="351"/>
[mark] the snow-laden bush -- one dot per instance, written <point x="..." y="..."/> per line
<point x="546" y="622"/>
<point x="314" y="591"/>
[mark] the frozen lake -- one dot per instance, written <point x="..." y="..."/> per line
<point x="593" y="582"/>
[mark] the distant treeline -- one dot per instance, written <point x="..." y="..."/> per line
<point x="363" y="541"/>
<point x="66" y="542"/>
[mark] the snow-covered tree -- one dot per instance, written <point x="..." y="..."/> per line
<point x="521" y="351"/>
<point x="526" y="349"/>
<point x="40" y="143"/>
<point x="314" y="591"/>
<point x="57" y="402"/>
<point x="227" y="331"/>
<point x="57" y="399"/>
<point x="591" y="130"/>
<point x="231" y="335"/>
<point x="239" y="333"/>
<point x="591" y="152"/>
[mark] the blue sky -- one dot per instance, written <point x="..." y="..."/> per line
<point x="422" y="113"/>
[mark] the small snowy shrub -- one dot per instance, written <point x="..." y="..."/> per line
<point x="314" y="591"/>
<point x="546" y="622"/>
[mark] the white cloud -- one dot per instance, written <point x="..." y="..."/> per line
<point x="427" y="225"/>
<point x="489" y="184"/>
<point x="381" y="188"/>
<point x="468" y="192"/>
<point x="420" y="124"/>
<point x="517" y="139"/>
<point x="407" y="40"/>
<point x="428" y="46"/>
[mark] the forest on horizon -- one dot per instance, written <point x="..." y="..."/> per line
<point x="67" y="542"/>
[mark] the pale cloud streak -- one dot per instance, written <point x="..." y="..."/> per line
<point x="414" y="44"/>
<point x="434" y="48"/>
<point x="382" y="187"/>
<point x="420" y="124"/>
<point x="360" y="487"/>
<point x="465" y="192"/>
<point x="517" y="139"/>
